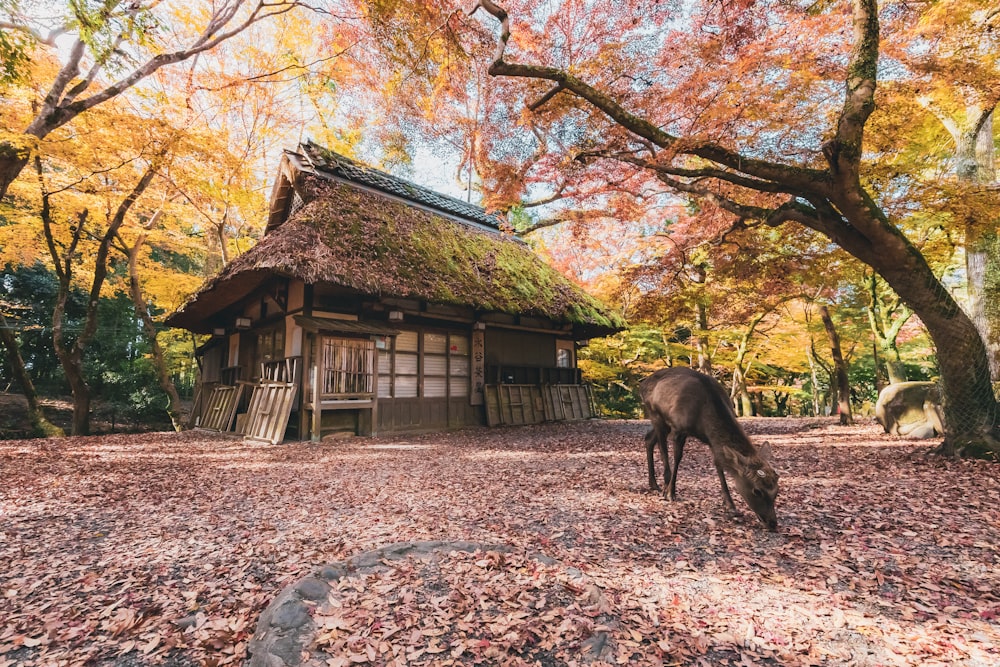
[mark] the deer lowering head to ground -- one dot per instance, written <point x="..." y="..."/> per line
<point x="681" y="402"/>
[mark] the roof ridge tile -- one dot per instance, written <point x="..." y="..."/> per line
<point x="325" y="160"/>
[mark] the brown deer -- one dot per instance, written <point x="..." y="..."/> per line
<point x="683" y="402"/>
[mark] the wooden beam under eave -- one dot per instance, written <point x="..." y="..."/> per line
<point x="308" y="299"/>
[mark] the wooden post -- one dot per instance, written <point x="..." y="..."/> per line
<point x="374" y="376"/>
<point x="307" y="300"/>
<point x="317" y="392"/>
<point x="303" y="382"/>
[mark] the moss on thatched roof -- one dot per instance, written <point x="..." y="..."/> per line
<point x="362" y="240"/>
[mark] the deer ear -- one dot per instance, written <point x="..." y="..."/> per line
<point x="727" y="456"/>
<point x="764" y="451"/>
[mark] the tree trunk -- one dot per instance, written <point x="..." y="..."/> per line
<point x="894" y="369"/>
<point x="781" y="403"/>
<point x="976" y="167"/>
<point x="39" y="424"/>
<point x="73" y="367"/>
<point x="739" y="370"/>
<point x="177" y="418"/>
<point x="971" y="411"/>
<point x="981" y="265"/>
<point x="831" y="380"/>
<point x="71" y="359"/>
<point x="12" y="163"/>
<point x="885" y="330"/>
<point x="739" y="394"/>
<point x="815" y="384"/>
<point x="701" y="341"/>
<point x="843" y="383"/>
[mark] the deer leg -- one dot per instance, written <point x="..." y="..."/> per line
<point x="651" y="441"/>
<point x="679" y="439"/>
<point x="657" y="437"/>
<point x="726" y="497"/>
<point x="662" y="443"/>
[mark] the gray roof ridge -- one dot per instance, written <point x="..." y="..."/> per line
<point x="326" y="160"/>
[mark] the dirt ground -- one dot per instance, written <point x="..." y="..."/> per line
<point x="164" y="548"/>
<point x="14" y="422"/>
<point x="14" y="414"/>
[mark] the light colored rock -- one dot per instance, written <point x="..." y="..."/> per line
<point x="911" y="410"/>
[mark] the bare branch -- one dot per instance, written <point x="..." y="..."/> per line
<point x="545" y="98"/>
<point x="304" y="67"/>
<point x="58" y="112"/>
<point x="708" y="172"/>
<point x="551" y="222"/>
<point x="556" y="196"/>
<point x="47" y="40"/>
<point x="725" y="203"/>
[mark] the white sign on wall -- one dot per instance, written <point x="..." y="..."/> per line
<point x="478" y="367"/>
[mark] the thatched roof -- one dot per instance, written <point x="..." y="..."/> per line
<point x="357" y="238"/>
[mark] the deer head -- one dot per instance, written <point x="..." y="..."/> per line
<point x="757" y="482"/>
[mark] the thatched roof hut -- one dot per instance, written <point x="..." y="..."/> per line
<point x="373" y="304"/>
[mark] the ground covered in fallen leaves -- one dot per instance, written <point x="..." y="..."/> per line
<point x="164" y="549"/>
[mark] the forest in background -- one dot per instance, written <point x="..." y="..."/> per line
<point x="140" y="175"/>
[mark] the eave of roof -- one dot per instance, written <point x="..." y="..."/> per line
<point x="345" y="326"/>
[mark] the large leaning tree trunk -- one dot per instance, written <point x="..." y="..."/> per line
<point x="830" y="200"/>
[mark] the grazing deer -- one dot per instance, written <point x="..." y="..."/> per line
<point x="683" y="402"/>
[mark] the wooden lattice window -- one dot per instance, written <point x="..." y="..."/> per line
<point x="348" y="366"/>
<point x="435" y="365"/>
<point x="459" y="367"/>
<point x="437" y="362"/>
<point x="406" y="379"/>
<point x="296" y="205"/>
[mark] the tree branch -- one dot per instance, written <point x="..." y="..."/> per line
<point x="58" y="112"/>
<point x="843" y="152"/>
<point x="763" y="169"/>
<point x="709" y="172"/>
<point x="47" y="40"/>
<point x="551" y="222"/>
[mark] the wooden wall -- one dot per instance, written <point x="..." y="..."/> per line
<point x="396" y="415"/>
<point x="508" y="347"/>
